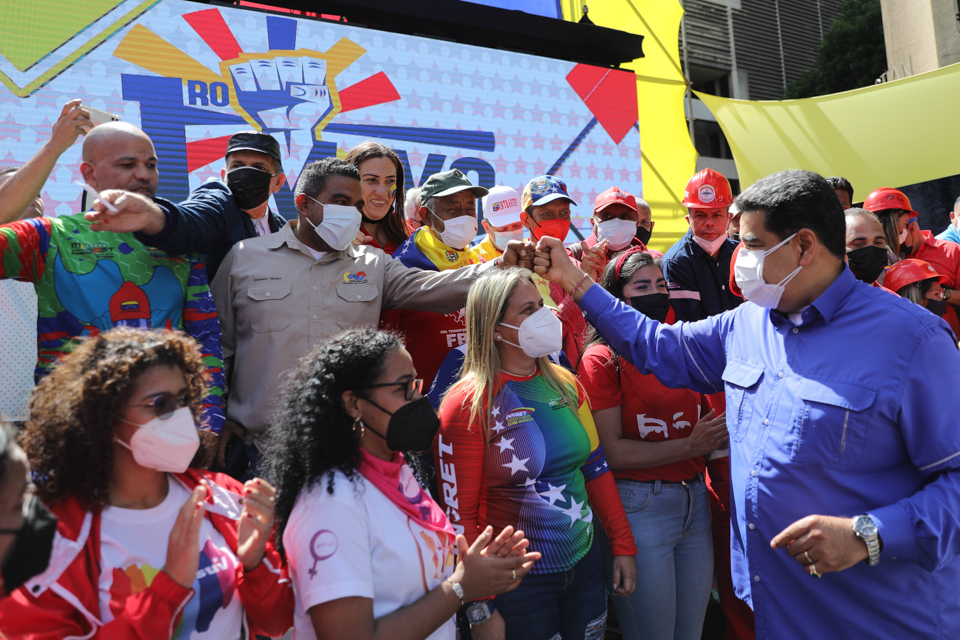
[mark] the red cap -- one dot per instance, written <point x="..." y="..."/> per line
<point x="907" y="272"/>
<point x="614" y="195"/>
<point x="708" y="189"/>
<point x="886" y="198"/>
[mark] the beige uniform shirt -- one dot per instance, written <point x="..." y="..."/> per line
<point x="276" y="303"/>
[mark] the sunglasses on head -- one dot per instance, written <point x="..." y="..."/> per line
<point x="411" y="387"/>
<point x="164" y="404"/>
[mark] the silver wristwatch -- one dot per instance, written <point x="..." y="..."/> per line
<point x="866" y="529"/>
<point x="479" y="612"/>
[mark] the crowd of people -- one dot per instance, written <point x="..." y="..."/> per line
<point x="358" y="420"/>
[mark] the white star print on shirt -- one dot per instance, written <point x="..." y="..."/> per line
<point x="516" y="465"/>
<point x="553" y="494"/>
<point x="505" y="444"/>
<point x="574" y="511"/>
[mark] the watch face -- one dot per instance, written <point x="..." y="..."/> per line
<point x="477" y="613"/>
<point x="866" y="526"/>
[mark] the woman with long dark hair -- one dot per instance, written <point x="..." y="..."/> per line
<point x="148" y="545"/>
<point x="371" y="554"/>
<point x="656" y="440"/>
<point x="518" y="447"/>
<point x="381" y="180"/>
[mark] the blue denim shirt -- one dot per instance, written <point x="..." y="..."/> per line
<point x="850" y="411"/>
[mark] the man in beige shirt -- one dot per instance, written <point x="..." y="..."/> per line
<point x="280" y="296"/>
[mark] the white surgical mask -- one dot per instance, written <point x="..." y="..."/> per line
<point x="749" y="273"/>
<point x="711" y="246"/>
<point x="458" y="232"/>
<point x="165" y="445"/>
<point x="903" y="235"/>
<point x="540" y="334"/>
<point x="340" y="224"/>
<point x="501" y="238"/>
<point x="618" y="233"/>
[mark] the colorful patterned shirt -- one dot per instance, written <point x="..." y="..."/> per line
<point x="88" y="282"/>
<point x="542" y="471"/>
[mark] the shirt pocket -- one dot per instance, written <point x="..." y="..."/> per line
<point x="358" y="305"/>
<point x="832" y="426"/>
<point x="742" y="380"/>
<point x="270" y="307"/>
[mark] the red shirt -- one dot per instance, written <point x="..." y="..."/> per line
<point x="648" y="410"/>
<point x="945" y="258"/>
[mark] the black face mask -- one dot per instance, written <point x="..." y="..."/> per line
<point x="412" y="427"/>
<point x="735" y="237"/>
<point x="250" y="186"/>
<point x="29" y="554"/>
<point x="937" y="307"/>
<point x="653" y="305"/>
<point x="867" y="263"/>
<point x="643" y="235"/>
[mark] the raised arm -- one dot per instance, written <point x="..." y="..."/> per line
<point x="26" y="183"/>
<point x="684" y="355"/>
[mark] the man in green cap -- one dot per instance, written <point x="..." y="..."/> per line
<point x="448" y="209"/>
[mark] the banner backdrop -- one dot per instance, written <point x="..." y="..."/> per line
<point x="191" y="76"/>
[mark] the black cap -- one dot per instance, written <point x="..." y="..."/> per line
<point x="254" y="141"/>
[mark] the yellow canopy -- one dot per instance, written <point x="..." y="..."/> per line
<point x="889" y="135"/>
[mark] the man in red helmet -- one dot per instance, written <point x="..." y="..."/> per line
<point x="697" y="267"/>
<point x="893" y="208"/>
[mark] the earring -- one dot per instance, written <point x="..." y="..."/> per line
<point x="357" y="423"/>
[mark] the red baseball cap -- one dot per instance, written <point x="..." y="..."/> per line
<point x="614" y="195"/>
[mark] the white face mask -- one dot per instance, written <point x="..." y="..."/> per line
<point x="711" y="246"/>
<point x="618" y="233"/>
<point x="749" y="274"/>
<point x="340" y="224"/>
<point x="903" y="235"/>
<point x="540" y="334"/>
<point x="501" y="238"/>
<point x="165" y="445"/>
<point x="458" y="232"/>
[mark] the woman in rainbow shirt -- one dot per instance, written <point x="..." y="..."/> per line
<point x="518" y="447"/>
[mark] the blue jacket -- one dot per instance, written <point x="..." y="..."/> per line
<point x="699" y="284"/>
<point x="208" y="222"/>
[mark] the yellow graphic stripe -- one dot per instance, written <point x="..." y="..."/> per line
<point x="72" y="58"/>
<point x="146" y="49"/>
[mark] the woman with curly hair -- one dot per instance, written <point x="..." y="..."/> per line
<point x="381" y="180"/>
<point x="371" y="555"/>
<point x="148" y="545"/>
<point x="656" y="440"/>
<point x="518" y="446"/>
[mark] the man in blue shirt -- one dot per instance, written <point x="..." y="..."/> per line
<point x="844" y="461"/>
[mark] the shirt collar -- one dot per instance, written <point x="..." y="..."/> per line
<point x="826" y="305"/>
<point x="286" y="236"/>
